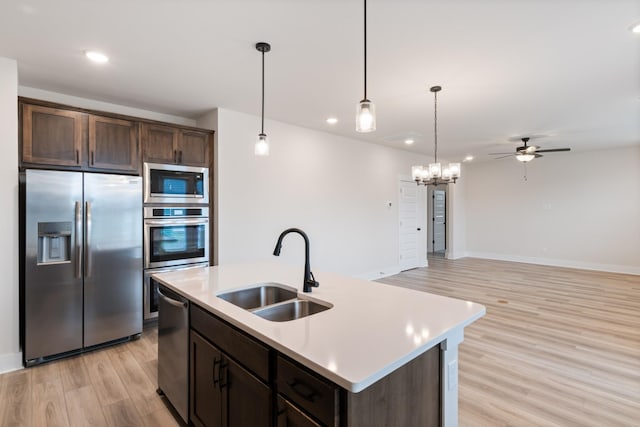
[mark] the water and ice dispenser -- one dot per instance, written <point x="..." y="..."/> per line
<point x="54" y="242"/>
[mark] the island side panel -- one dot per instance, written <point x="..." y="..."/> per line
<point x="409" y="396"/>
<point x="449" y="372"/>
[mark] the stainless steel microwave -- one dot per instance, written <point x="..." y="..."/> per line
<point x="164" y="183"/>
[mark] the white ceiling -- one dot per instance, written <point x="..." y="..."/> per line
<point x="567" y="69"/>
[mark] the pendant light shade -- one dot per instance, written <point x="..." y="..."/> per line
<point x="261" y="147"/>
<point x="366" y="116"/>
<point x="365" y="110"/>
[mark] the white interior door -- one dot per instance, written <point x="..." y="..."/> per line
<point x="410" y="229"/>
<point x="439" y="220"/>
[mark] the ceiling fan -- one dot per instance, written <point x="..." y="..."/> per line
<point x="526" y="153"/>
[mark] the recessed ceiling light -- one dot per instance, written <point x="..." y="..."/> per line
<point x="332" y="120"/>
<point x="409" y="141"/>
<point x="95" y="56"/>
<point x="636" y="28"/>
<point x="468" y="159"/>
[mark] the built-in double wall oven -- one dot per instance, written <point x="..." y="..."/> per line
<point x="176" y="224"/>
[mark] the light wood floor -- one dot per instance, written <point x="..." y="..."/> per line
<point x="558" y="347"/>
<point x="115" y="386"/>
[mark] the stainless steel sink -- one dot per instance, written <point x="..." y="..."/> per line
<point x="260" y="296"/>
<point x="291" y="310"/>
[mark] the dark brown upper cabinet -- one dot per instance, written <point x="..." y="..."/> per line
<point x="52" y="136"/>
<point x="113" y="144"/>
<point x="193" y="148"/>
<point x="165" y="144"/>
<point x="159" y="143"/>
<point x="55" y="137"/>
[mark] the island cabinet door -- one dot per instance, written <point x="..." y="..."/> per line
<point x="206" y="395"/>
<point x="246" y="399"/>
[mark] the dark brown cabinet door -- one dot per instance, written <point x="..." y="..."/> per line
<point x="248" y="401"/>
<point x="290" y="416"/>
<point x="160" y="143"/>
<point x="193" y="148"/>
<point x="52" y="136"/>
<point x="205" y="391"/>
<point x="113" y="144"/>
<point x="222" y="393"/>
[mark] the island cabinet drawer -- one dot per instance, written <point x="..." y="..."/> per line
<point x="252" y="354"/>
<point x="290" y="416"/>
<point x="316" y="396"/>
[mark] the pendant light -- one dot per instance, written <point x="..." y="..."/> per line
<point x="365" y="110"/>
<point x="434" y="174"/>
<point x="262" y="144"/>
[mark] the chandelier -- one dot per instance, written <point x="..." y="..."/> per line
<point x="435" y="174"/>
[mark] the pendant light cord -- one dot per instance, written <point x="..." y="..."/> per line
<point x="365" y="49"/>
<point x="435" y="126"/>
<point x="262" y="125"/>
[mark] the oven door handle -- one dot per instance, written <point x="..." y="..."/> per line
<point x="188" y="221"/>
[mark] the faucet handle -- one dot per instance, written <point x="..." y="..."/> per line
<point x="313" y="281"/>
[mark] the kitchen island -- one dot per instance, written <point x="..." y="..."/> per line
<point x="364" y="360"/>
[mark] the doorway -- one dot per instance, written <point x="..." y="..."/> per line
<point x="439" y="221"/>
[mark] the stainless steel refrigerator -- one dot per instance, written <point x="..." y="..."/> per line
<point x="81" y="272"/>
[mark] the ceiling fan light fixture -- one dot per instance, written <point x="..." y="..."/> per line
<point x="525" y="157"/>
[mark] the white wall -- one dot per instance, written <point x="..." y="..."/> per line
<point x="209" y="120"/>
<point x="456" y="217"/>
<point x="578" y="209"/>
<point x="10" y="357"/>
<point x="336" y="189"/>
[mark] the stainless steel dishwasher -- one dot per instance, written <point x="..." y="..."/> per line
<point x="173" y="350"/>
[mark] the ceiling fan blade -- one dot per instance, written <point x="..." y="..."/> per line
<point x="537" y="155"/>
<point x="552" y="150"/>
<point x="504" y="157"/>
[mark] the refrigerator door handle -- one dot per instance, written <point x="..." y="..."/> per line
<point x="78" y="231"/>
<point x="87" y="240"/>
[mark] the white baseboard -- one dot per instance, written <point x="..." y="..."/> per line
<point x="386" y="272"/>
<point x="455" y="255"/>
<point x="613" y="268"/>
<point x="10" y="362"/>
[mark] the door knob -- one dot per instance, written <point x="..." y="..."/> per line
<point x="419" y="229"/>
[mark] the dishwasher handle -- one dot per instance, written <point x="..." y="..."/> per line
<point x="172" y="301"/>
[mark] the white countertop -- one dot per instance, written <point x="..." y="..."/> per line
<point x="371" y="330"/>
